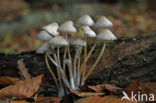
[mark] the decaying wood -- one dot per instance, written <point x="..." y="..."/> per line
<point x="124" y="61"/>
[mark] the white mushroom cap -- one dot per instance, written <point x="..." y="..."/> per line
<point x="44" y="48"/>
<point x="58" y="41"/>
<point x="43" y="35"/>
<point x="52" y="28"/>
<point x="67" y="26"/>
<point x="78" y="41"/>
<point x="103" y="22"/>
<point x="85" y="20"/>
<point x="105" y="34"/>
<point x="88" y="31"/>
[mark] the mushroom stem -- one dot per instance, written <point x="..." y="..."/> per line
<point x="70" y="69"/>
<point x="78" y="67"/>
<point x="75" y="60"/>
<point x="83" y="68"/>
<point x="58" y="71"/>
<point x="96" y="62"/>
<point x="58" y="57"/>
<point x="50" y="70"/>
<point x="64" y="78"/>
<point x="71" y="77"/>
<point x="90" y="52"/>
<point x="64" y="58"/>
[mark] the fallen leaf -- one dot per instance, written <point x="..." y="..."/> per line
<point x="48" y="100"/>
<point x="84" y="94"/>
<point x="135" y="87"/>
<point x="149" y="88"/>
<point x="23" y="71"/>
<point x="102" y="87"/>
<point x="22" y="90"/>
<point x="6" y="80"/>
<point x="42" y="100"/>
<point x="105" y="99"/>
<point x="150" y="85"/>
<point x="141" y="88"/>
<point x="21" y="102"/>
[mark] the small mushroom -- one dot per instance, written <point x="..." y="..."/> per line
<point x="103" y="22"/>
<point x="44" y="35"/>
<point x="52" y="29"/>
<point x="77" y="42"/>
<point x="88" y="31"/>
<point x="104" y="35"/>
<point x="67" y="27"/>
<point x="57" y="42"/>
<point x="44" y="48"/>
<point x="85" y="20"/>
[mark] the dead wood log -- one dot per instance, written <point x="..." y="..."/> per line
<point x="125" y="60"/>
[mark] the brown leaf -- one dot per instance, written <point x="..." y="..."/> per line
<point x="23" y="71"/>
<point x="48" y="100"/>
<point x="20" y="101"/>
<point x="150" y="85"/>
<point x="135" y="87"/>
<point x="22" y="89"/>
<point x="149" y="88"/>
<point x="6" y="80"/>
<point x="84" y="94"/>
<point x="42" y="100"/>
<point x="105" y="99"/>
<point x="141" y="88"/>
<point x="102" y="87"/>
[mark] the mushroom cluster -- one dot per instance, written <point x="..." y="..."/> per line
<point x="71" y="69"/>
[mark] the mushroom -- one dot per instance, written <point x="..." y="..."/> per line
<point x="88" y="31"/>
<point x="85" y="20"/>
<point x="76" y="69"/>
<point x="45" y="49"/>
<point x="44" y="35"/>
<point x="104" y="35"/>
<point x="57" y="42"/>
<point x="78" y="43"/>
<point x="103" y="22"/>
<point x="52" y="29"/>
<point x="48" y="32"/>
<point x="67" y="27"/>
<point x="108" y="34"/>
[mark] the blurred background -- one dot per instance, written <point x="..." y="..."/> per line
<point x="22" y="20"/>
